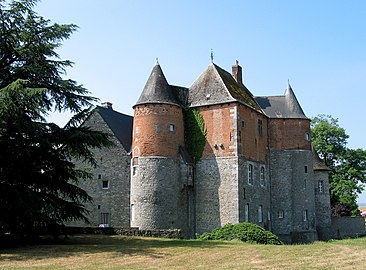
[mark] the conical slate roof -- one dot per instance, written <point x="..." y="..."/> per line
<point x="285" y="106"/>
<point x="217" y="86"/>
<point x="157" y="89"/>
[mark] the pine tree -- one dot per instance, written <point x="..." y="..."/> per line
<point x="38" y="180"/>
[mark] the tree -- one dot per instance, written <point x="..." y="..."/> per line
<point x="38" y="181"/>
<point x="348" y="166"/>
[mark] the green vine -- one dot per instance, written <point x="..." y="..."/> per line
<point x="195" y="133"/>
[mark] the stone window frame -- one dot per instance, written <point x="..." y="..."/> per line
<point x="246" y="212"/>
<point x="321" y="186"/>
<point x="262" y="178"/>
<point x="305" y="215"/>
<point x="105" y="218"/>
<point x="250" y="174"/>
<point x="280" y="214"/>
<point x="260" y="127"/>
<point x="260" y="213"/>
<point x="307" y="136"/>
<point x="105" y="186"/>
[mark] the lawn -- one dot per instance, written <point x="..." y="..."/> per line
<point x="119" y="252"/>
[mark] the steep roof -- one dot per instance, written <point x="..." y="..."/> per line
<point x="157" y="89"/>
<point x="217" y="86"/>
<point x="120" y="124"/>
<point x="318" y="164"/>
<point x="285" y="106"/>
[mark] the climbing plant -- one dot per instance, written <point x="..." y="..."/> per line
<point x="195" y="133"/>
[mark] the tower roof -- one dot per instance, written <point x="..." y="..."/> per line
<point x="217" y="86"/>
<point x="285" y="106"/>
<point x="157" y="89"/>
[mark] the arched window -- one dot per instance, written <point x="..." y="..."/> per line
<point x="250" y="174"/>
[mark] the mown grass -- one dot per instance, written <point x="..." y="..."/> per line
<point x="118" y="252"/>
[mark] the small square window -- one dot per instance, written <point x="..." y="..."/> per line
<point x="280" y="214"/>
<point x="98" y="206"/>
<point x="99" y="176"/>
<point x="172" y="127"/>
<point x="105" y="184"/>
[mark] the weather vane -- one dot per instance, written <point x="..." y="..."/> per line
<point x="211" y="56"/>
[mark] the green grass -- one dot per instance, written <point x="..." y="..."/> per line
<point x="118" y="252"/>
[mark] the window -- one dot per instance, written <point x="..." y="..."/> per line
<point x="246" y="213"/>
<point x="260" y="127"/>
<point x="172" y="127"/>
<point x="305" y="215"/>
<point x="239" y="136"/>
<point x="307" y="136"/>
<point x="157" y="128"/>
<point x="105" y="219"/>
<point x="231" y="136"/>
<point x="137" y="130"/>
<point x="243" y="124"/>
<point x="280" y="214"/>
<point x="105" y="184"/>
<point x="132" y="212"/>
<point x="135" y="161"/>
<point x="321" y="186"/>
<point x="250" y="174"/>
<point x="260" y="213"/>
<point x="306" y="169"/>
<point x="134" y="170"/>
<point x="99" y="176"/>
<point x="262" y="178"/>
<point x="244" y="195"/>
<point x="98" y="206"/>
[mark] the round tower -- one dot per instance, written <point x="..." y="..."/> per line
<point x="158" y="131"/>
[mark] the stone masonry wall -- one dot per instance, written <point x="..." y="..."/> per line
<point x="156" y="191"/>
<point x="113" y="166"/>
<point x="254" y="195"/>
<point x="216" y="193"/>
<point x="322" y="205"/>
<point x="292" y="191"/>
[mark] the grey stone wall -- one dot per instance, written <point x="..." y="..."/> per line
<point x="216" y="193"/>
<point x="322" y="205"/>
<point x="252" y="196"/>
<point x="157" y="194"/>
<point x="343" y="227"/>
<point x="292" y="194"/>
<point x="113" y="166"/>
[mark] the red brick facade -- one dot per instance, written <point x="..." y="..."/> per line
<point x="158" y="130"/>
<point x="289" y="134"/>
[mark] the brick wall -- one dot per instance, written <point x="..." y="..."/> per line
<point x="152" y="133"/>
<point x="286" y="134"/>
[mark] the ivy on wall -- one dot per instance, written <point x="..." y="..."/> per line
<point x="195" y="133"/>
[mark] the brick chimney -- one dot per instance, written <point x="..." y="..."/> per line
<point x="107" y="105"/>
<point x="237" y="72"/>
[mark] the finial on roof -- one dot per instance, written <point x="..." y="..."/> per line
<point x="212" y="56"/>
<point x="157" y="61"/>
<point x="237" y="62"/>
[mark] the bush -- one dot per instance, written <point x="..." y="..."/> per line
<point x="246" y="232"/>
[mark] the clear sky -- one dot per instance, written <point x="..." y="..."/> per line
<point x="319" y="46"/>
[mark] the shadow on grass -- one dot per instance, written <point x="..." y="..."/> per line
<point x="94" y="244"/>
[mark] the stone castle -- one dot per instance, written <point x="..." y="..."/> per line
<point x="255" y="161"/>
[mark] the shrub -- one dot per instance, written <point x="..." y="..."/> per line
<point x="246" y="232"/>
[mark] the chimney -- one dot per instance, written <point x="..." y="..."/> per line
<point x="107" y="105"/>
<point x="237" y="72"/>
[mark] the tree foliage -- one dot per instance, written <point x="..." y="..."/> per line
<point x="38" y="181"/>
<point x="348" y="166"/>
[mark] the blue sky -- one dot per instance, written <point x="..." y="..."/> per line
<point x="319" y="46"/>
